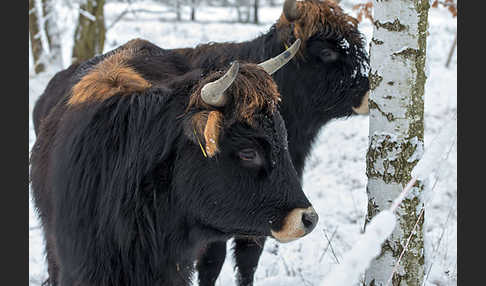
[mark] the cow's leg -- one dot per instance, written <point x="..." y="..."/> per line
<point x="247" y="252"/>
<point x="210" y="263"/>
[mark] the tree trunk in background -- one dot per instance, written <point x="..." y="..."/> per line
<point x="396" y="133"/>
<point x="89" y="38"/>
<point x="31" y="60"/>
<point x="46" y="11"/>
<point x="39" y="40"/>
<point x="255" y="11"/>
<point x="193" y="10"/>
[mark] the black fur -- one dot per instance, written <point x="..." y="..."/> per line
<point x="313" y="91"/>
<point x="127" y="198"/>
<point x="324" y="82"/>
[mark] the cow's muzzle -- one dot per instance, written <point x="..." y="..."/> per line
<point x="297" y="224"/>
<point x="364" y="107"/>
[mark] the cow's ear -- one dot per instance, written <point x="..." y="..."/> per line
<point x="204" y="130"/>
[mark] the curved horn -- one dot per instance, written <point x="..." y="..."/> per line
<point x="290" y="10"/>
<point x="212" y="93"/>
<point x="274" y="64"/>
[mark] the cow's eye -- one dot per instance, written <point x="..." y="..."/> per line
<point x="250" y="156"/>
<point x="328" y="55"/>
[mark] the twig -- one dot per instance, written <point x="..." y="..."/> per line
<point x="327" y="247"/>
<point x="287" y="269"/>
<point x="330" y="245"/>
<point x="395" y="205"/>
<point x="128" y="10"/>
<point x="451" y="52"/>
<point x="400" y="198"/>
<point x="438" y="244"/>
<point x="87" y="14"/>
<point x="406" y="246"/>
<point x="447" y="220"/>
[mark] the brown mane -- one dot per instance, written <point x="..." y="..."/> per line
<point x="110" y="77"/>
<point x="253" y="91"/>
<point x="318" y="16"/>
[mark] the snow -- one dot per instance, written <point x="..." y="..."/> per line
<point x="334" y="176"/>
<point x="367" y="247"/>
<point x="435" y="152"/>
<point x="419" y="150"/>
<point x="41" y="23"/>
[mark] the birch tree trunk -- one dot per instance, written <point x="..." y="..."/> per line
<point x="396" y="133"/>
<point x="31" y="60"/>
<point x="39" y="41"/>
<point x="89" y="37"/>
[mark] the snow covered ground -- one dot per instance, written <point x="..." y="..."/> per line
<point x="334" y="178"/>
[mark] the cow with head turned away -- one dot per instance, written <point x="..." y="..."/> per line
<point x="133" y="173"/>
<point x="327" y="79"/>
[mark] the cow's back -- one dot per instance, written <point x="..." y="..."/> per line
<point x="56" y="89"/>
<point x="61" y="84"/>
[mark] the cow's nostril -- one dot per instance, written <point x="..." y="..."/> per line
<point x="309" y="220"/>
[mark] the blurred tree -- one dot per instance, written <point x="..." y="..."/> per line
<point x="39" y="39"/>
<point x="193" y="9"/>
<point x="89" y="37"/>
<point x="243" y="8"/>
<point x="255" y="11"/>
<point x="396" y="134"/>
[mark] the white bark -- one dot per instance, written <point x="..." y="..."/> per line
<point x="396" y="132"/>
<point x="42" y="24"/>
<point x="66" y="14"/>
<point x="31" y="60"/>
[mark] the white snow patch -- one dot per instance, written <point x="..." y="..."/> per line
<point x="436" y="150"/>
<point x="367" y="247"/>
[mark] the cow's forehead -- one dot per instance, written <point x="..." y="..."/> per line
<point x="320" y="17"/>
<point x="275" y="133"/>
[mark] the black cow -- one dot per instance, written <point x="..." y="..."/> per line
<point x="327" y="79"/>
<point x="132" y="175"/>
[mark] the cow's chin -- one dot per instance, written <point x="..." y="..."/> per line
<point x="286" y="239"/>
<point x="286" y="236"/>
<point x="250" y="233"/>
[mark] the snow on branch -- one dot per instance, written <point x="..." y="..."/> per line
<point x="368" y="246"/>
<point x="87" y="15"/>
<point x="441" y="142"/>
